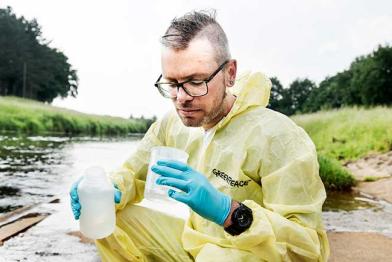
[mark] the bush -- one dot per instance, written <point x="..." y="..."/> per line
<point x="333" y="175"/>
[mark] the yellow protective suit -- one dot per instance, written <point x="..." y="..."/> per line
<point x="255" y="155"/>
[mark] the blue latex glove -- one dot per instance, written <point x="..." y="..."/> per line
<point x="75" y="204"/>
<point x="198" y="193"/>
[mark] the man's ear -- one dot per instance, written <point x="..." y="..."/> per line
<point x="231" y="73"/>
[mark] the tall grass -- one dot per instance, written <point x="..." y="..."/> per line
<point x="346" y="134"/>
<point x="333" y="175"/>
<point x="349" y="133"/>
<point x="28" y="116"/>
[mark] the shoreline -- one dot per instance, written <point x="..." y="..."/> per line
<point x="25" y="116"/>
<point x="374" y="176"/>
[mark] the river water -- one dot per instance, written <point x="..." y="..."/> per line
<point x="33" y="169"/>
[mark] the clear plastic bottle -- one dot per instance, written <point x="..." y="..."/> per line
<point x="96" y="196"/>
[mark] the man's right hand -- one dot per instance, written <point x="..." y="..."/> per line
<point x="75" y="204"/>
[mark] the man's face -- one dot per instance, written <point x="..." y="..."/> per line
<point x="195" y="62"/>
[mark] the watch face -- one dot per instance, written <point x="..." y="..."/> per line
<point x="241" y="219"/>
<point x="244" y="217"/>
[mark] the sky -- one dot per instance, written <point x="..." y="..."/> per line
<point x="115" y="48"/>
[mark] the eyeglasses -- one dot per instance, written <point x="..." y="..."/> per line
<point x="192" y="87"/>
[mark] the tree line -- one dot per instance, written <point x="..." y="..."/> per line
<point x="367" y="82"/>
<point x="28" y="66"/>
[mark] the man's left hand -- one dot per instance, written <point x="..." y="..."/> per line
<point x="197" y="191"/>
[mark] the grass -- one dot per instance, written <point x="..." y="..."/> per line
<point x="32" y="117"/>
<point x="333" y="175"/>
<point x="349" y="133"/>
<point x="370" y="179"/>
<point x="346" y="134"/>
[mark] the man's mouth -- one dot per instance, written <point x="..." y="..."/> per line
<point x="187" y="111"/>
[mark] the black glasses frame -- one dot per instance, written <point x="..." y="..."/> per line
<point x="178" y="85"/>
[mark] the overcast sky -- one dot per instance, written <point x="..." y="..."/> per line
<point x="114" y="45"/>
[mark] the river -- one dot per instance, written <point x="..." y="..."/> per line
<point x="34" y="169"/>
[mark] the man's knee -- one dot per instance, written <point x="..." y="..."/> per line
<point x="131" y="212"/>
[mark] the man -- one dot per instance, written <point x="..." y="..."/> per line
<point x="252" y="176"/>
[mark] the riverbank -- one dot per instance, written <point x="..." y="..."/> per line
<point x="359" y="246"/>
<point x="31" y="117"/>
<point x="345" y="135"/>
<point x="361" y="140"/>
<point x="374" y="173"/>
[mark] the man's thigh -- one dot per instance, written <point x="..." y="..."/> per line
<point x="143" y="234"/>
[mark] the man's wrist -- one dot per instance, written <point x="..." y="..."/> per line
<point x="234" y="206"/>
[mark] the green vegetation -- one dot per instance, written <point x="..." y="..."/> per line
<point x="333" y="175"/>
<point x="29" y="67"/>
<point x="28" y="116"/>
<point x="367" y="82"/>
<point x="349" y="133"/>
<point x="346" y="134"/>
<point x="370" y="179"/>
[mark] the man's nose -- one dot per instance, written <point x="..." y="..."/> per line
<point x="182" y="96"/>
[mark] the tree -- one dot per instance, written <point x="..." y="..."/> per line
<point x="298" y="93"/>
<point x="332" y="92"/>
<point x="368" y="82"/>
<point x="279" y="98"/>
<point x="290" y="100"/>
<point x="372" y="77"/>
<point x="28" y="66"/>
<point x="276" y="94"/>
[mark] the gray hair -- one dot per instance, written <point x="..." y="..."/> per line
<point x="197" y="24"/>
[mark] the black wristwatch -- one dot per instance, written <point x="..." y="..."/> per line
<point x="241" y="220"/>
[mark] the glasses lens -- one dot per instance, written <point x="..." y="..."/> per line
<point x="196" y="88"/>
<point x="168" y="90"/>
<point x="193" y="88"/>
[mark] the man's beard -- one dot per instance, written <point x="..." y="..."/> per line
<point x="216" y="113"/>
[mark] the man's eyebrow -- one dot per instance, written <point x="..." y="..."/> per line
<point x="200" y="76"/>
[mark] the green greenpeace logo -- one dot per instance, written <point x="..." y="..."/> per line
<point x="229" y="180"/>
